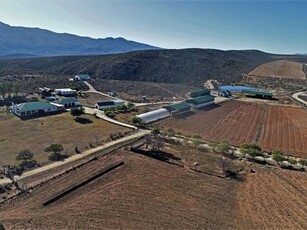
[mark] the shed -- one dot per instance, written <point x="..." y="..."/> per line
<point x="258" y="94"/>
<point x="199" y="102"/>
<point x="66" y="92"/>
<point x="154" y="115"/>
<point x="200" y="92"/>
<point x="82" y="77"/>
<point x="178" y="108"/>
<point x="68" y="102"/>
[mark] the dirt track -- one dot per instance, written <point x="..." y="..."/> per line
<point x="280" y="68"/>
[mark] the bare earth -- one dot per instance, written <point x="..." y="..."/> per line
<point x="281" y="68"/>
<point x="146" y="193"/>
<point x="273" y="127"/>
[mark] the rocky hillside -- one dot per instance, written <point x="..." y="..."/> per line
<point x="23" y="41"/>
<point x="187" y="66"/>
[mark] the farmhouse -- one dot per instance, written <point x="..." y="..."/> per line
<point x="82" y="77"/>
<point x="68" y="102"/>
<point x="35" y="108"/>
<point x="109" y="104"/>
<point x="66" y="92"/>
<point x="178" y="108"/>
<point x="199" y="102"/>
<point x="201" y="92"/>
<point x="154" y="115"/>
<point x="261" y="95"/>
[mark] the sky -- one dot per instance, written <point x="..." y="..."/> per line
<point x="271" y="26"/>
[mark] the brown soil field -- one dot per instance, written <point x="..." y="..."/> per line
<point x="280" y="68"/>
<point x="36" y="134"/>
<point x="92" y="98"/>
<point x="236" y="122"/>
<point x="273" y="127"/>
<point x="146" y="193"/>
<point x="272" y="199"/>
<point x="285" y="129"/>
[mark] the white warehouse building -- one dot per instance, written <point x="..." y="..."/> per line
<point x="154" y="115"/>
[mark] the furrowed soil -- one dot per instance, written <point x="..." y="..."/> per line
<point x="146" y="193"/>
<point x="281" y="69"/>
<point x="273" y="127"/>
<point x="233" y="121"/>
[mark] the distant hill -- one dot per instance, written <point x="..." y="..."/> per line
<point x="40" y="42"/>
<point x="187" y="66"/>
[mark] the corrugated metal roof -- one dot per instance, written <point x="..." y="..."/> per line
<point x="257" y="93"/>
<point x="200" y="100"/>
<point x="35" y="105"/>
<point x="67" y="100"/>
<point x="178" y="106"/>
<point x="105" y="103"/>
<point x="200" y="92"/>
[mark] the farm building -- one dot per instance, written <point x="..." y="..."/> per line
<point x="178" y="108"/>
<point x="82" y="77"/>
<point x="262" y="95"/>
<point x="68" y="102"/>
<point x="35" y="108"/>
<point x="154" y="115"/>
<point x="66" y="92"/>
<point x="199" y="102"/>
<point x="201" y="92"/>
<point x="109" y="104"/>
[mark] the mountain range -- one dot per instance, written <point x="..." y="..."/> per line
<point x="21" y="42"/>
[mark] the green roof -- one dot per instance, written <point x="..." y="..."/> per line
<point x="200" y="92"/>
<point x="178" y="106"/>
<point x="257" y="93"/>
<point x="67" y="100"/>
<point x="35" y="105"/>
<point x="200" y="100"/>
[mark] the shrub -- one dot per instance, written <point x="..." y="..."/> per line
<point x="223" y="147"/>
<point x="292" y="161"/>
<point x="251" y="149"/>
<point x="136" y="120"/>
<point x="110" y="114"/>
<point x="303" y="162"/>
<point x="57" y="157"/>
<point x="2" y="227"/>
<point x="77" y="149"/>
<point x="155" y="132"/>
<point x="250" y="146"/>
<point x="196" y="137"/>
<point x="278" y="156"/>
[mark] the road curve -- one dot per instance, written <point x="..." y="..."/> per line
<point x="296" y="97"/>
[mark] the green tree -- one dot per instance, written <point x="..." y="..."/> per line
<point x="130" y="104"/>
<point x="55" y="148"/>
<point x="303" y="162"/>
<point x="76" y="112"/>
<point x="57" y="157"/>
<point x="24" y="155"/>
<point x="136" y="120"/>
<point x="2" y="226"/>
<point x="292" y="161"/>
<point x="155" y="132"/>
<point x="278" y="156"/>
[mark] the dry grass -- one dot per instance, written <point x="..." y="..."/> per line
<point x="281" y="68"/>
<point x="92" y="98"/>
<point x="37" y="134"/>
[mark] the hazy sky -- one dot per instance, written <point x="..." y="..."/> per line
<point x="272" y="26"/>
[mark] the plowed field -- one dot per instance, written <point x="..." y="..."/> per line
<point x="273" y="127"/>
<point x="233" y="121"/>
<point x="281" y="68"/>
<point x="273" y="199"/>
<point x="285" y="129"/>
<point x="144" y="193"/>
